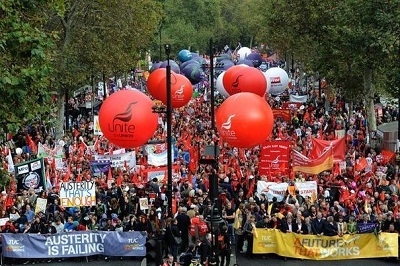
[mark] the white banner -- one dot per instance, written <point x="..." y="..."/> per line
<point x="118" y="160"/>
<point x="157" y="154"/>
<point x="297" y="98"/>
<point x="278" y="190"/>
<point x="73" y="194"/>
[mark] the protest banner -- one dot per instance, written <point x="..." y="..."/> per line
<point x="278" y="190"/>
<point x="301" y="163"/>
<point x="119" y="160"/>
<point x="3" y="221"/>
<point x="349" y="246"/>
<point x="74" y="244"/>
<point x="46" y="152"/>
<point x="144" y="204"/>
<point x="274" y="157"/>
<point x="160" y="173"/>
<point x="298" y="98"/>
<point x="40" y="205"/>
<point x="157" y="154"/>
<point x="73" y="194"/>
<point x="30" y="175"/>
<point x="99" y="167"/>
<point x="283" y="114"/>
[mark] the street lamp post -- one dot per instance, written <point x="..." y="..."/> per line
<point x="215" y="217"/>
<point x="169" y="131"/>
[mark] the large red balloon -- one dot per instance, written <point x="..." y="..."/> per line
<point x="126" y="118"/>
<point x="154" y="80"/>
<point x="230" y="76"/>
<point x="244" y="120"/>
<point x="245" y="79"/>
<point x="181" y="90"/>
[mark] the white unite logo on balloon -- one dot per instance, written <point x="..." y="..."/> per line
<point x="226" y="131"/>
<point x="179" y="93"/>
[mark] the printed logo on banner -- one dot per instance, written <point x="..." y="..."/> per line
<point x="35" y="165"/>
<point x="274" y="157"/>
<point x="31" y="180"/>
<point x="23" y="169"/>
<point x="30" y="175"/>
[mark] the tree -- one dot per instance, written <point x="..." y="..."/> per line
<point x="347" y="41"/>
<point x="99" y="37"/>
<point x="25" y="68"/>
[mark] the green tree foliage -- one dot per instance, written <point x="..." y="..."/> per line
<point x="25" y="54"/>
<point x="349" y="42"/>
<point x="100" y="36"/>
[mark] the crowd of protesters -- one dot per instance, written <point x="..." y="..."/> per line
<point x="187" y="234"/>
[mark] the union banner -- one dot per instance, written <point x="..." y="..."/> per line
<point x="274" y="157"/>
<point x="312" y="166"/>
<point x="351" y="246"/>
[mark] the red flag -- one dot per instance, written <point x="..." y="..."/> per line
<point x="67" y="174"/>
<point x="76" y="133"/>
<point x="55" y="180"/>
<point x="378" y="209"/>
<point x="119" y="179"/>
<point x="361" y="164"/>
<point x="109" y="176"/>
<point x="32" y="145"/>
<point x="387" y="156"/>
<point x="134" y="178"/>
<point x="312" y="166"/>
<point x="336" y="170"/>
<point x="396" y="210"/>
<point x="319" y="146"/>
<point x="251" y="188"/>
<point x="13" y="185"/>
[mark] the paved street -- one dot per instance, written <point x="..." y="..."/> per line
<point x="259" y="261"/>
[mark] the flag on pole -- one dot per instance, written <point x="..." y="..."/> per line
<point x="312" y="166"/>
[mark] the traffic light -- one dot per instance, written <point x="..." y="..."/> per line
<point x="153" y="252"/>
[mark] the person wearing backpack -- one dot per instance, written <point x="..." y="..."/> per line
<point x="224" y="246"/>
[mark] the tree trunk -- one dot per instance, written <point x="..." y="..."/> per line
<point x="61" y="112"/>
<point x="369" y="100"/>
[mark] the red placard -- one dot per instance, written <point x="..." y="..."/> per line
<point x="282" y="113"/>
<point x="274" y="158"/>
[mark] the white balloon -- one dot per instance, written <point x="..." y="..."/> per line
<point x="277" y="80"/>
<point x="61" y="143"/>
<point x="243" y="52"/>
<point x="18" y="151"/>
<point x="220" y="86"/>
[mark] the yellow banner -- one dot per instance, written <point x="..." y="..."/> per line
<point x="312" y="247"/>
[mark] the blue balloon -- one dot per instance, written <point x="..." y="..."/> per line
<point x="154" y="66"/>
<point x="245" y="62"/>
<point x="200" y="60"/>
<point x="256" y="58"/>
<point x="225" y="64"/>
<point x="184" y="55"/>
<point x="223" y="56"/>
<point x="183" y="65"/>
<point x="174" y="66"/>
<point x="194" y="72"/>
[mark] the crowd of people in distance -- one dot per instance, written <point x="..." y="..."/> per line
<point x="343" y="200"/>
